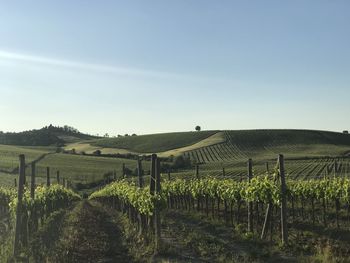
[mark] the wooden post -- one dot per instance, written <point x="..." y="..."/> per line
<point x="19" y="212"/>
<point x="153" y="173"/>
<point x="169" y="175"/>
<point x="250" y="204"/>
<point x="58" y="177"/>
<point x="139" y="173"/>
<point x="15" y="181"/>
<point x="47" y="176"/>
<point x="32" y="181"/>
<point x="123" y="170"/>
<point x="157" y="221"/>
<point x="141" y="218"/>
<point x="267" y="167"/>
<point x="284" y="227"/>
<point x="115" y="175"/>
<point x="197" y="171"/>
<point x="223" y="171"/>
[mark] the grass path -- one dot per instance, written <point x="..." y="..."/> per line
<point x="89" y="234"/>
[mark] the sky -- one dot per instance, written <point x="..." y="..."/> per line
<point x="160" y="66"/>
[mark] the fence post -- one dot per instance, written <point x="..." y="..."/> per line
<point x="250" y="204"/>
<point x="58" y="177"/>
<point x="123" y="170"/>
<point x="15" y="181"/>
<point x="267" y="167"/>
<point x="157" y="220"/>
<point x="115" y="175"/>
<point x="32" y="182"/>
<point x="19" y="213"/>
<point x="284" y="227"/>
<point x="197" y="171"/>
<point x="47" y="176"/>
<point x="169" y="175"/>
<point x="141" y="218"/>
<point x="153" y="173"/>
<point x="223" y="171"/>
<point x="139" y="173"/>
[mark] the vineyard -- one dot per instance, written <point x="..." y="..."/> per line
<point x="258" y="206"/>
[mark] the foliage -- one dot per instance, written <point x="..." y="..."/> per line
<point x="49" y="135"/>
<point x="47" y="199"/>
<point x="139" y="198"/>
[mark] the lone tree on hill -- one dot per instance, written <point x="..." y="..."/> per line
<point x="198" y="128"/>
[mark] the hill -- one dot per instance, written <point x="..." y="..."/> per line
<point x="154" y="142"/>
<point x="232" y="144"/>
<point x="265" y="144"/>
<point x="49" y="135"/>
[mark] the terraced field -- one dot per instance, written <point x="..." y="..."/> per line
<point x="266" y="144"/>
<point x="301" y="169"/>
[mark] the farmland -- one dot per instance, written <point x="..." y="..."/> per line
<point x="195" y="211"/>
<point x="154" y="142"/>
<point x="309" y="154"/>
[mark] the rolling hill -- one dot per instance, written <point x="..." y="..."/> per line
<point x="218" y="146"/>
<point x="46" y="136"/>
<point x="309" y="152"/>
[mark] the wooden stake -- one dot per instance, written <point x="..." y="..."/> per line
<point x="123" y="170"/>
<point x="48" y="176"/>
<point x="32" y="185"/>
<point x="267" y="167"/>
<point x="197" y="171"/>
<point x="266" y="221"/>
<point x="58" y="177"/>
<point x="153" y="173"/>
<point x="18" y="227"/>
<point x="169" y="175"/>
<point x="284" y="227"/>
<point x="250" y="204"/>
<point x="139" y="173"/>
<point x="157" y="221"/>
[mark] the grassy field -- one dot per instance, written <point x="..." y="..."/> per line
<point x="9" y="155"/>
<point x="77" y="168"/>
<point x="154" y="142"/>
<point x="80" y="168"/>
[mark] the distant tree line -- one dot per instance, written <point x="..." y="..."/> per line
<point x="48" y="135"/>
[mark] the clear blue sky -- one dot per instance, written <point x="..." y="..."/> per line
<point x="159" y="66"/>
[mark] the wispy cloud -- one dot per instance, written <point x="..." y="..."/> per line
<point x="87" y="66"/>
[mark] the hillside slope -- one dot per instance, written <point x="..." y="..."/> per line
<point x="154" y="142"/>
<point x="264" y="144"/>
<point x="49" y="135"/>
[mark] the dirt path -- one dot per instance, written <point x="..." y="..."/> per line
<point x="90" y="235"/>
